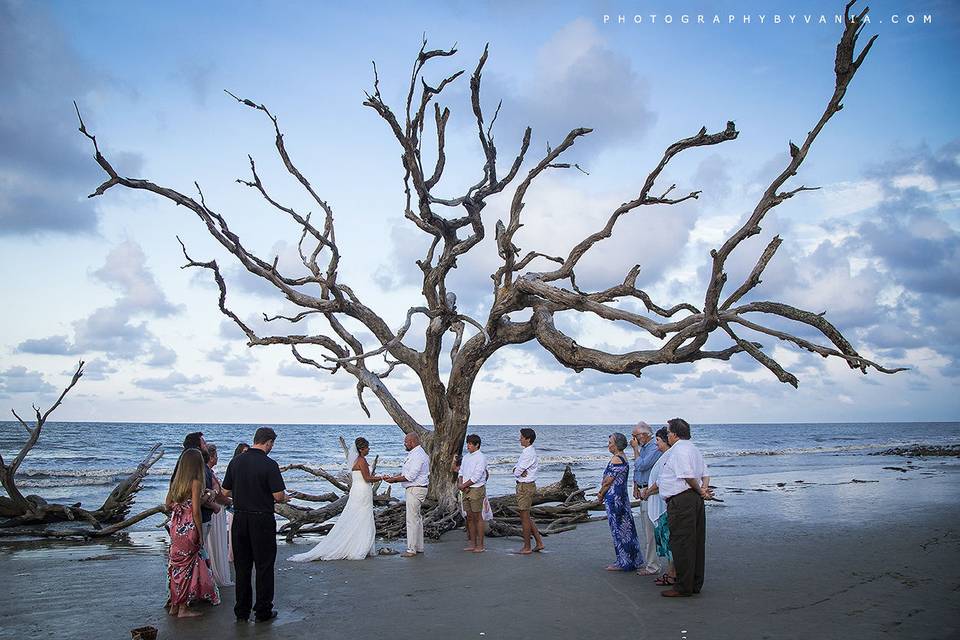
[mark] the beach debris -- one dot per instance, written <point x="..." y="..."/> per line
<point x="855" y="481"/>
<point x="922" y="450"/>
<point x="900" y="469"/>
<point x="144" y="633"/>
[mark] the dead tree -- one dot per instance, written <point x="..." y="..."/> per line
<point x="454" y="225"/>
<point x="19" y="510"/>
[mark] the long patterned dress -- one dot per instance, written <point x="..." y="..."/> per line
<point x="622" y="528"/>
<point x="190" y="576"/>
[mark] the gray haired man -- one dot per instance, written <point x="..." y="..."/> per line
<point x="645" y="455"/>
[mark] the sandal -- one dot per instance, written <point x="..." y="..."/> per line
<point x="665" y="580"/>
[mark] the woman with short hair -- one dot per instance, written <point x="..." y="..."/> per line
<point x="613" y="494"/>
<point x="218" y="535"/>
<point x="657" y="512"/>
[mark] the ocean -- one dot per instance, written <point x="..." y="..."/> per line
<point x="82" y="461"/>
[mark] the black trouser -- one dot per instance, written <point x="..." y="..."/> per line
<point x="686" y="518"/>
<point x="254" y="537"/>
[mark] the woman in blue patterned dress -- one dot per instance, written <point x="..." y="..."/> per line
<point x="613" y="493"/>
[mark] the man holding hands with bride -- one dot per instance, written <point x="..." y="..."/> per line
<point x="414" y="477"/>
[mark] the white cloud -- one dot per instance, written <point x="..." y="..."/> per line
<point x="126" y="269"/>
<point x="19" y="379"/>
<point x="172" y="382"/>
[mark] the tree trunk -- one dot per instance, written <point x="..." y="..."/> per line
<point x="16" y="505"/>
<point x="443" y="445"/>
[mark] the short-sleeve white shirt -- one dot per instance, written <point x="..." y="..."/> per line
<point x="683" y="460"/>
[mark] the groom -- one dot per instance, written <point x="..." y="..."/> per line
<point x="414" y="477"/>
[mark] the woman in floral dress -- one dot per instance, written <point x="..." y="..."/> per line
<point x="613" y="493"/>
<point x="190" y="578"/>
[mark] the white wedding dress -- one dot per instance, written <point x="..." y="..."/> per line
<point x="353" y="535"/>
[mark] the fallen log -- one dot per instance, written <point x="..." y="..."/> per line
<point x="21" y="511"/>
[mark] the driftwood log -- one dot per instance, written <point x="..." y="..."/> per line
<point x="529" y="285"/>
<point x="31" y="511"/>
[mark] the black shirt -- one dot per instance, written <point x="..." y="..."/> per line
<point x="206" y="514"/>
<point x="252" y="478"/>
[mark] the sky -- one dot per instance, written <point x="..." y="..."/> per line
<point x="877" y="246"/>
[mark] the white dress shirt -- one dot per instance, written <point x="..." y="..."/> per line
<point x="656" y="506"/>
<point x="683" y="460"/>
<point x="528" y="461"/>
<point x="416" y="468"/>
<point x="474" y="467"/>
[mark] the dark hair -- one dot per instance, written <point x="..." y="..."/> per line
<point x="528" y="434"/>
<point x="264" y="434"/>
<point x="474" y="439"/>
<point x="361" y="444"/>
<point x="243" y="446"/>
<point x="192" y="440"/>
<point x="662" y="434"/>
<point x="679" y="428"/>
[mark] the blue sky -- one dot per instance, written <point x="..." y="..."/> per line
<point x="877" y="247"/>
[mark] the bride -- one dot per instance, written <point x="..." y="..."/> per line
<point x="352" y="537"/>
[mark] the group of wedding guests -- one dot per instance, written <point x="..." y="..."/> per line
<point x="671" y="480"/>
<point x="203" y="537"/>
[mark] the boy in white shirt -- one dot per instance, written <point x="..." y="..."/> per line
<point x="473" y="481"/>
<point x="525" y="472"/>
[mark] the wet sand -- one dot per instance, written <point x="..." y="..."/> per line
<point x="824" y="559"/>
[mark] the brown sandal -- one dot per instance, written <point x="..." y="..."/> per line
<point x="666" y="580"/>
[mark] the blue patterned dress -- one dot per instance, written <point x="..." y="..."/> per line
<point x="617" y="502"/>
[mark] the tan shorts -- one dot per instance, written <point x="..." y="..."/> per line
<point x="473" y="499"/>
<point x="525" y="493"/>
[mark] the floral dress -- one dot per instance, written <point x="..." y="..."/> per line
<point x="624" y="532"/>
<point x="190" y="576"/>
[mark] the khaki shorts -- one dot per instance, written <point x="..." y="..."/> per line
<point x="473" y="499"/>
<point x="525" y="493"/>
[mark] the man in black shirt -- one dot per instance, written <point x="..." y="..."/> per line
<point x="253" y="480"/>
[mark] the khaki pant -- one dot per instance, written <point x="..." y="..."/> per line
<point x="415" y="497"/>
<point x="473" y="498"/>
<point x="525" y="493"/>
<point x="647" y="542"/>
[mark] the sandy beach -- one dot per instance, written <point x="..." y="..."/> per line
<point x="827" y="559"/>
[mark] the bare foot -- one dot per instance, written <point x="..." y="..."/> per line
<point x="469" y="548"/>
<point x="173" y="609"/>
<point x="613" y="567"/>
<point x="524" y="552"/>
<point x="480" y="550"/>
<point x="539" y="547"/>
<point x="186" y="613"/>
